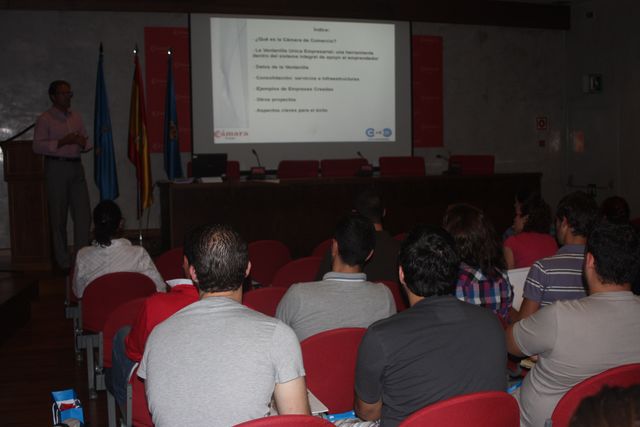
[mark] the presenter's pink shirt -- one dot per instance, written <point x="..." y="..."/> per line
<point x="528" y="247"/>
<point x="53" y="125"/>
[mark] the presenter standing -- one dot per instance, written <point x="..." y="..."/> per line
<point x="60" y="137"/>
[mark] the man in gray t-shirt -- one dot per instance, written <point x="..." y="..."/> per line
<point x="344" y="298"/>
<point x="576" y="339"/>
<point x="216" y="362"/>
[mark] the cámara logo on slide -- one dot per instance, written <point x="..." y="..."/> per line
<point x="230" y="134"/>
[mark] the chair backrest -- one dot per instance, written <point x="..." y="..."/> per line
<point x="266" y="257"/>
<point x="233" y="170"/>
<point x="169" y="264"/>
<point x="140" y="415"/>
<point x="484" y="409"/>
<point x="297" y="271"/>
<point x="264" y="300"/>
<point x="341" y="167"/>
<point x="621" y="376"/>
<point x="287" y="421"/>
<point x="125" y="314"/>
<point x="322" y="248"/>
<point x="398" y="297"/>
<point x="402" y="166"/>
<point x="298" y="169"/>
<point x="517" y="277"/>
<point x="105" y="293"/>
<point x="472" y="164"/>
<point x="330" y="363"/>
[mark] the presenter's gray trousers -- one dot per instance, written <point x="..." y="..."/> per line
<point x="67" y="191"/>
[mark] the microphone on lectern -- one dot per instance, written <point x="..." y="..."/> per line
<point x="366" y="169"/>
<point x="257" y="172"/>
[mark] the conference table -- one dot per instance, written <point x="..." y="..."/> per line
<point x="303" y="212"/>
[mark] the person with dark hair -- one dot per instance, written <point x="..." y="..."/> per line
<point x="60" y="136"/>
<point x="559" y="277"/>
<point x="108" y="254"/>
<point x="577" y="339"/>
<point x="531" y="226"/>
<point x="216" y="362"/>
<point x="615" y="209"/>
<point x="482" y="279"/>
<point x="439" y="348"/>
<point x="611" y="407"/>
<point x="382" y="264"/>
<point x="343" y="298"/>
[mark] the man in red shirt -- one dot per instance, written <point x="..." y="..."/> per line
<point x="128" y="343"/>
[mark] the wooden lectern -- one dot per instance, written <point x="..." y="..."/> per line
<point x="28" y="217"/>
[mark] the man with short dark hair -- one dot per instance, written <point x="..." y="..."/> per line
<point x="217" y="362"/>
<point x="344" y="298"/>
<point x="60" y="137"/>
<point x="559" y="277"/>
<point x="439" y="348"/>
<point x="382" y="264"/>
<point x="576" y="339"/>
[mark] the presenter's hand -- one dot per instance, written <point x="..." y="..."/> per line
<point x="73" y="139"/>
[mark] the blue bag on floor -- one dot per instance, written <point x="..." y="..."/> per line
<point x="66" y="405"/>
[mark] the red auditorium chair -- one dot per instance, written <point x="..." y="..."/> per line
<point x="297" y="271"/>
<point x="233" y="170"/>
<point x="621" y="376"/>
<point x="266" y="257"/>
<point x="341" y="167"/>
<point x="484" y="409"/>
<point x="402" y="166"/>
<point x="169" y="264"/>
<point x="288" y="169"/>
<point x="396" y="291"/>
<point x="472" y="164"/>
<point x="138" y="414"/>
<point x="287" y="421"/>
<point x="103" y="295"/>
<point x="330" y="363"/>
<point x="322" y="248"/>
<point x="264" y="300"/>
<point x="122" y="316"/>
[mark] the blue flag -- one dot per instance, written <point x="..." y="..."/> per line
<point x="171" y="146"/>
<point x="104" y="159"/>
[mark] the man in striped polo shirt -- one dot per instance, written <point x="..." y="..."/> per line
<point x="559" y="277"/>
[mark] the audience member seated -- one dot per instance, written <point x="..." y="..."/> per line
<point x="577" y="339"/>
<point x="612" y="406"/>
<point x="129" y="343"/>
<point x="531" y="225"/>
<point x="482" y="279"/>
<point x="439" y="348"/>
<point x="559" y="277"/>
<point x="217" y="362"/>
<point x="382" y="265"/>
<point x="110" y="255"/>
<point x="344" y="298"/>
<point x="615" y="209"/>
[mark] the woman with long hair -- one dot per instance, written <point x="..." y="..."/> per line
<point x="532" y="225"/>
<point x="482" y="279"/>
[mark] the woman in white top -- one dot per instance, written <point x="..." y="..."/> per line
<point x="107" y="254"/>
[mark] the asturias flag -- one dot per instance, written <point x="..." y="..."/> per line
<point x="138" y="141"/>
<point x="171" y="145"/>
<point x="104" y="159"/>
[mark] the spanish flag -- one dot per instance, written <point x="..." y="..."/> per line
<point x="138" y="142"/>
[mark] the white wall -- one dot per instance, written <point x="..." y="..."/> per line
<point x="496" y="82"/>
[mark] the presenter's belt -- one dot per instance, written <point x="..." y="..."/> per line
<point x="63" y="159"/>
